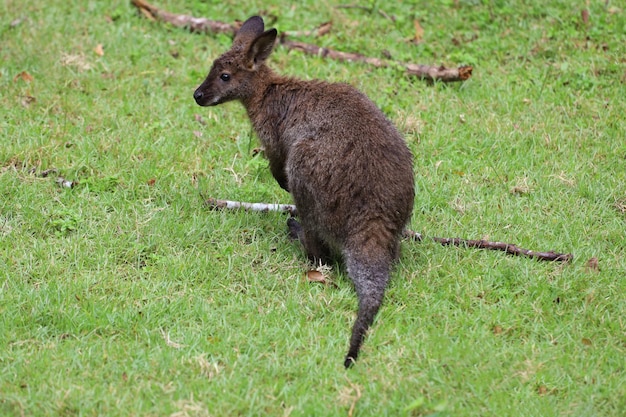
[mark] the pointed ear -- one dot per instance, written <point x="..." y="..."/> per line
<point x="261" y="48"/>
<point x="251" y="28"/>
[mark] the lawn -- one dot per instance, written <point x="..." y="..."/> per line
<point x="123" y="294"/>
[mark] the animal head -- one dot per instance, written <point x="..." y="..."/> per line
<point x="232" y="74"/>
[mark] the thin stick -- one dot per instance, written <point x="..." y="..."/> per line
<point x="425" y="72"/>
<point x="216" y="204"/>
<point x="509" y="248"/>
<point x="201" y="24"/>
<point x="193" y="24"/>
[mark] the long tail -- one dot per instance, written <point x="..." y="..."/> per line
<point x="370" y="279"/>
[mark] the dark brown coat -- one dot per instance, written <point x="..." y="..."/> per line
<point x="348" y="169"/>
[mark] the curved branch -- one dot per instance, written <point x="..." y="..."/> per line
<point x="509" y="248"/>
<point x="204" y="25"/>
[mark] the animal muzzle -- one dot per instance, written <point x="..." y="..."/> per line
<point x="199" y="97"/>
<point x="203" y="99"/>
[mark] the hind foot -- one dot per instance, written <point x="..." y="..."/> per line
<point x="316" y="250"/>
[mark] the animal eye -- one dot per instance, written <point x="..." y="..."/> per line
<point x="225" y="77"/>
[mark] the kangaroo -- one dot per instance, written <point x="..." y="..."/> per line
<point x="348" y="169"/>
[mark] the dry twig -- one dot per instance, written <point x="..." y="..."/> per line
<point x="216" y="204"/>
<point x="509" y="248"/>
<point x="201" y="24"/>
<point x="194" y="24"/>
<point x="425" y="72"/>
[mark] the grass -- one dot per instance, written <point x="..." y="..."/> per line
<point x="125" y="295"/>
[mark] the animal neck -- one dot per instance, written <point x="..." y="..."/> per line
<point x="262" y="93"/>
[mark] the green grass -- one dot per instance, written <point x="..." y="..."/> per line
<point x="126" y="295"/>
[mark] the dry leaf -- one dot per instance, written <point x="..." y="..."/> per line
<point x="497" y="329"/>
<point x="419" y="31"/>
<point x="592" y="265"/>
<point x="584" y="14"/>
<point x="99" y="50"/>
<point x="320" y="275"/>
<point x="151" y="181"/>
<point x="324" y="28"/>
<point x="586" y="342"/>
<point x="521" y="188"/>
<point x="199" y="119"/>
<point x="27" y="100"/>
<point x="24" y="76"/>
<point x="197" y="133"/>
<point x="77" y="61"/>
<point x="543" y="390"/>
<point x="315" y="276"/>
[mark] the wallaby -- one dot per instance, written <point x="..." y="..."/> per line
<point x="346" y="166"/>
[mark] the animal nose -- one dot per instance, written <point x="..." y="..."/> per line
<point x="197" y="95"/>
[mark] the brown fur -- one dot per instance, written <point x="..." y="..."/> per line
<point x="348" y="169"/>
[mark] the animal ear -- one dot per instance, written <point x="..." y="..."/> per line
<point x="261" y="48"/>
<point x="250" y="30"/>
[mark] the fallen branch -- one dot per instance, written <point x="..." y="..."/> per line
<point x="204" y="25"/>
<point x="216" y="204"/>
<point x="509" y="248"/>
<point x="193" y="24"/>
<point x="425" y="72"/>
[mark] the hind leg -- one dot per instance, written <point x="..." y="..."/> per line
<point x="316" y="250"/>
<point x="370" y="279"/>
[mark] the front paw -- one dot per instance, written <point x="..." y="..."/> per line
<point x="294" y="229"/>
